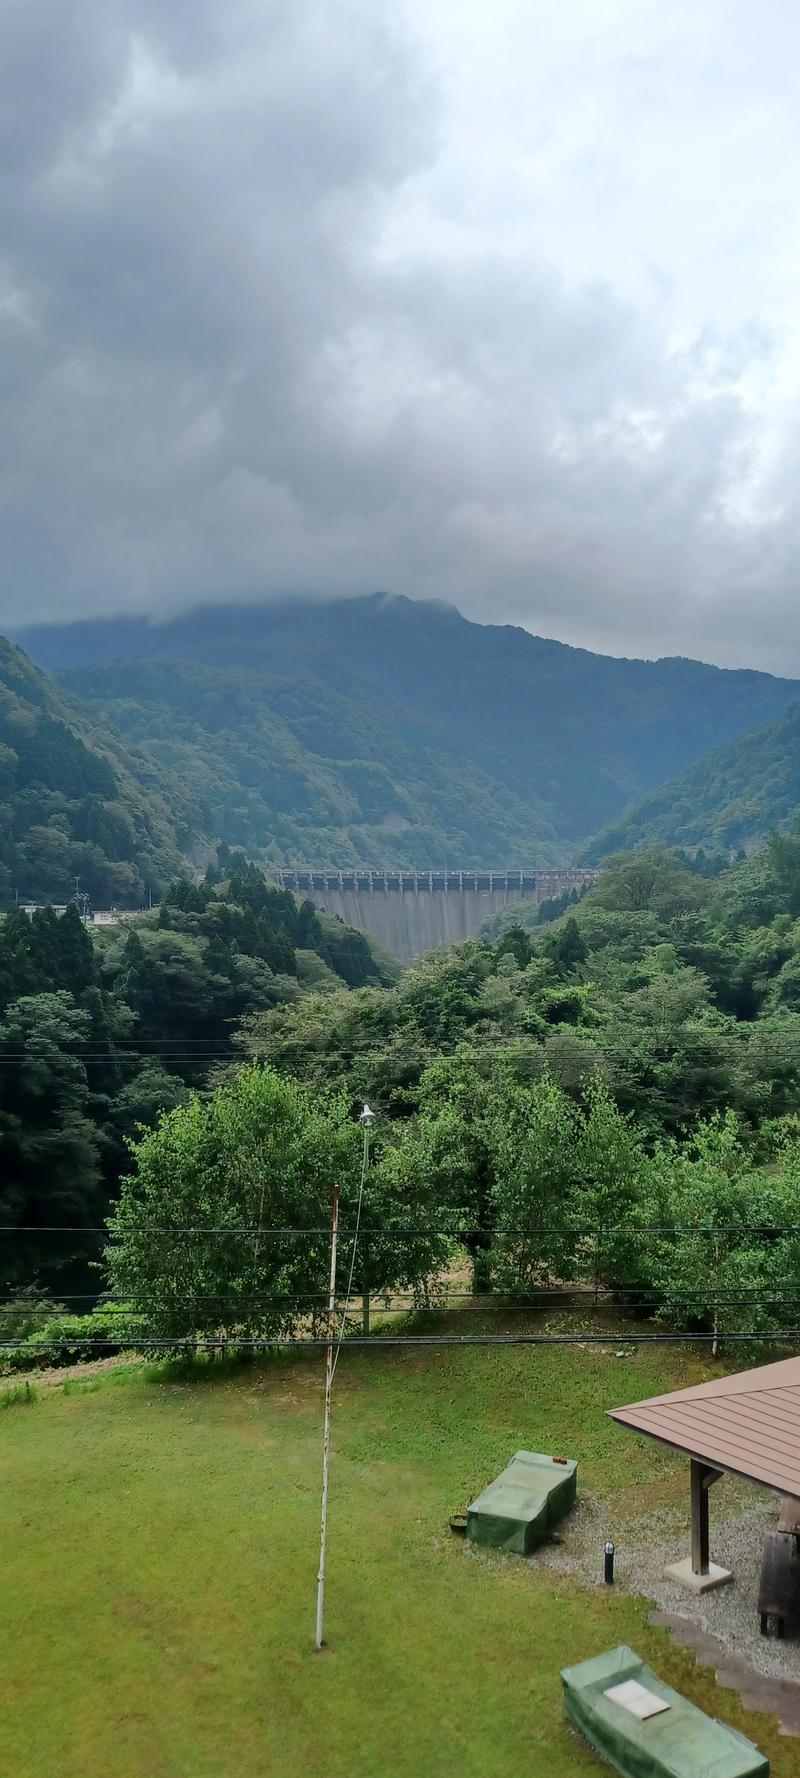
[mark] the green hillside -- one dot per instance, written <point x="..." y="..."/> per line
<point x="75" y="801"/>
<point x="391" y="731"/>
<point x="730" y="799"/>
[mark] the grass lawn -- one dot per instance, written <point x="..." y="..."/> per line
<point x="160" y="1543"/>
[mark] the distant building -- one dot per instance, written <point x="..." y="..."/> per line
<point x="95" y="917"/>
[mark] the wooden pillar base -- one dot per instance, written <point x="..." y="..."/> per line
<point x="696" y="1571"/>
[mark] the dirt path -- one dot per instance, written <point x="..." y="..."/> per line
<point x="63" y="1373"/>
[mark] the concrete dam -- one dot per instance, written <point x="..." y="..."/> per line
<point x="411" y="911"/>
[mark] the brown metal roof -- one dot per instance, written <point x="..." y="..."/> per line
<point x="746" y="1425"/>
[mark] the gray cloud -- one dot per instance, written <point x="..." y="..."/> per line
<point x="273" y="320"/>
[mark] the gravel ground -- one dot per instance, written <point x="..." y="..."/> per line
<point x="645" y="1546"/>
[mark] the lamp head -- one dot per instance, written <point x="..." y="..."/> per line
<point x="366" y="1117"/>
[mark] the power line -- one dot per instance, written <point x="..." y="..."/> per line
<point x="100" y="1055"/>
<point x="580" y="1293"/>
<point x="620" y="1337"/>
<point x="524" y="1045"/>
<point x="516" y="1049"/>
<point x="126" y="1041"/>
<point x="606" y="1232"/>
<point x="406" y="1304"/>
<point x="102" y="1060"/>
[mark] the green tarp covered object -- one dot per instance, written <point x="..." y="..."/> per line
<point x="642" y="1738"/>
<point x="520" y="1509"/>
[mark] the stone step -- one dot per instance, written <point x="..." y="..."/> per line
<point x="757" y="1691"/>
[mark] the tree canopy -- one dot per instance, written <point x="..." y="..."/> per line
<point x="102" y="1029"/>
<point x="223" y="1226"/>
<point x="77" y="803"/>
<point x="551" y="1092"/>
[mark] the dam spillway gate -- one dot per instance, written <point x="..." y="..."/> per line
<point x="411" y="911"/>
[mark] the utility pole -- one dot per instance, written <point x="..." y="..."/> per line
<point x="326" y="1440"/>
<point x="333" y="1344"/>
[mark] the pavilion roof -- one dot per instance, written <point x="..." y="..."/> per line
<point x="746" y="1425"/>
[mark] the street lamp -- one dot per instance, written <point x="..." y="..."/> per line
<point x="366" y="1118"/>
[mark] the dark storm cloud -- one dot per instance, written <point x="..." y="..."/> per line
<point x="234" y="365"/>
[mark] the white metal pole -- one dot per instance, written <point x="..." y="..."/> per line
<point x="364" y="1166"/>
<point x="326" y="1440"/>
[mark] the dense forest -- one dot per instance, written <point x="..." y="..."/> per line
<point x="682" y="991"/>
<point x="730" y="799"/>
<point x="101" y="1031"/>
<point x="388" y="731"/>
<point x="611" y="1099"/>
<point x="77" y="803"/>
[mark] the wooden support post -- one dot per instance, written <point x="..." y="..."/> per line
<point x="702" y="1478"/>
<point x="699" y="1519"/>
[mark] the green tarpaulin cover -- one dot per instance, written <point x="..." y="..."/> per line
<point x="520" y="1509"/>
<point x="681" y="1742"/>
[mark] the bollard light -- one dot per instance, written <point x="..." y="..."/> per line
<point x="608" y="1563"/>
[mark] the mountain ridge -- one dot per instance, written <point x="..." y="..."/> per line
<point x="391" y="731"/>
<point x="731" y="798"/>
<point x="97" y="641"/>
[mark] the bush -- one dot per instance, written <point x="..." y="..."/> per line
<point x="24" y="1311"/>
<point x="74" y="1339"/>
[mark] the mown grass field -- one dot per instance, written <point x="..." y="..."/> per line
<point x="159" y="1554"/>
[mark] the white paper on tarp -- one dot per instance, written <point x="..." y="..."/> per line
<point x="636" y="1699"/>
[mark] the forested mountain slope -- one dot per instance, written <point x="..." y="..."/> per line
<point x="382" y="730"/>
<point x="76" y="801"/>
<point x="730" y="799"/>
<point x="101" y="1029"/>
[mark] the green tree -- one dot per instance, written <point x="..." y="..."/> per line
<point x="535" y="1181"/>
<point x="249" y="1173"/>
<point x="654" y="881"/>
<point x="516" y="943"/>
<point x="610" y="1171"/>
<point x="456" y="1135"/>
<point x="726" y="1256"/>
<point x="51" y="1173"/>
<point x="565" y="946"/>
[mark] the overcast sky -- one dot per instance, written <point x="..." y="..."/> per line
<point x="496" y="303"/>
